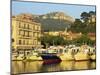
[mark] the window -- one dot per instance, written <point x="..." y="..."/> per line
<point x="20" y="42"/>
<point x="22" y="32"/>
<point x="19" y="32"/>
<point x="30" y="34"/>
<point x="28" y="26"/>
<point x="26" y="33"/>
<point x="24" y="25"/>
<point x="19" y="24"/>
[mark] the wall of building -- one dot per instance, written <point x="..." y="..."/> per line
<point x="25" y="33"/>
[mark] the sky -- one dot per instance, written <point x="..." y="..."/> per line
<point x="37" y="8"/>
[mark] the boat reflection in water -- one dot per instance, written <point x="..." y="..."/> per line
<point x="39" y="66"/>
<point x="67" y="65"/>
<point x="50" y="58"/>
<point x="26" y="67"/>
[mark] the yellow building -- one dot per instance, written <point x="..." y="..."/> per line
<point x="66" y="35"/>
<point x="25" y="33"/>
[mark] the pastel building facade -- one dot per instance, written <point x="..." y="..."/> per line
<point x="26" y="32"/>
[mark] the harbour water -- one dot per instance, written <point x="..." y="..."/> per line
<point x="38" y="66"/>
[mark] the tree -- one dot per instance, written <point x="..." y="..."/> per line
<point x="84" y="39"/>
<point x="78" y="26"/>
<point x="85" y="17"/>
<point x="92" y="13"/>
<point x="52" y="40"/>
<point x="84" y="26"/>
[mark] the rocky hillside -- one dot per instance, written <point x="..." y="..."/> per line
<point x="55" y="21"/>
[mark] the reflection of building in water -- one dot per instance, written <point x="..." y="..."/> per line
<point x="33" y="66"/>
<point x="93" y="65"/>
<point x="37" y="66"/>
<point x="67" y="65"/>
<point x="25" y="33"/>
<point x="26" y="67"/>
<point x="18" y="67"/>
<point x="82" y="65"/>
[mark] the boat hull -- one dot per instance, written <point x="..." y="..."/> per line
<point x="66" y="56"/>
<point x="81" y="56"/>
<point x="93" y="57"/>
<point x="50" y="59"/>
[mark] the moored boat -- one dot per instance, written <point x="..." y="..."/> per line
<point x="93" y="57"/>
<point x="34" y="56"/>
<point x="81" y="56"/>
<point x="83" y="53"/>
<point x="68" y="53"/>
<point x="93" y="54"/>
<point x="50" y="58"/>
<point x="66" y="56"/>
<point x="17" y="57"/>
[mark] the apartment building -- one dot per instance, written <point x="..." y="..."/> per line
<point x="26" y="32"/>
